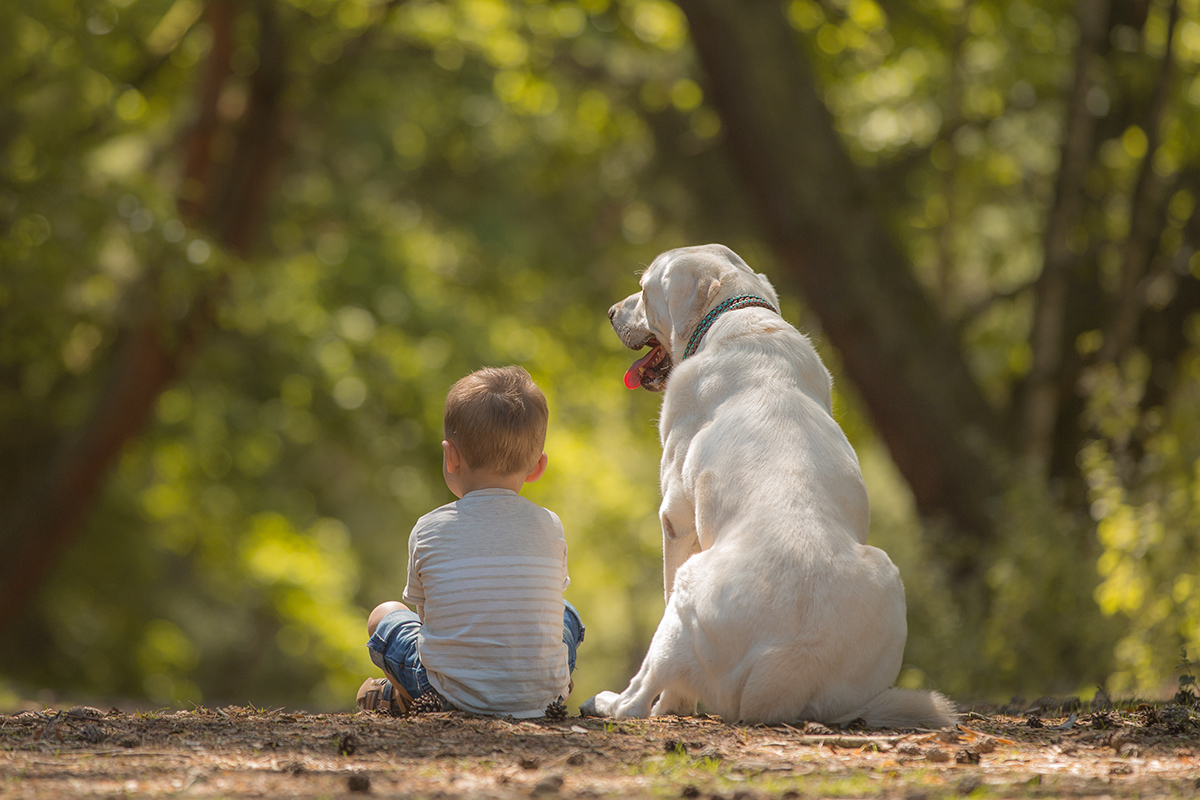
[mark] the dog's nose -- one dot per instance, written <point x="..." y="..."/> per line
<point x="612" y="312"/>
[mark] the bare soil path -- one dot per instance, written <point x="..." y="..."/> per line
<point x="1149" y="751"/>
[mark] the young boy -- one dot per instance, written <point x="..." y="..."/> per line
<point x="492" y="633"/>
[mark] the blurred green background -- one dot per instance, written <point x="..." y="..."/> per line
<point x="246" y="247"/>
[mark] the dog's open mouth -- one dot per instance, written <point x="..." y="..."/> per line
<point x="650" y="371"/>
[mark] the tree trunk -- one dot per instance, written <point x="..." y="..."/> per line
<point x="223" y="196"/>
<point x="1040" y="396"/>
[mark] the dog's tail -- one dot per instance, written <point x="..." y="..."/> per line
<point x="906" y="708"/>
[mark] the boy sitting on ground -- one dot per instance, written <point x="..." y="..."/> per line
<point x="492" y="633"/>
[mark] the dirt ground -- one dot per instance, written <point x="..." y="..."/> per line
<point x="1039" y="750"/>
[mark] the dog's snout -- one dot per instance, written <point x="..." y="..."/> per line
<point x="612" y="312"/>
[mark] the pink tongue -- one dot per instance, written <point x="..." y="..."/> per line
<point x="633" y="377"/>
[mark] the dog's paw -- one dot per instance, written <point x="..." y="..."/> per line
<point x="598" y="706"/>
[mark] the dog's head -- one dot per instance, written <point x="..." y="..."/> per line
<point x="678" y="289"/>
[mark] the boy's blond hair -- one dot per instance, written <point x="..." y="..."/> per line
<point x="497" y="418"/>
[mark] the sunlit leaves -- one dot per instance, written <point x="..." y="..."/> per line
<point x="165" y="654"/>
<point x="473" y="182"/>
<point x="312" y="576"/>
<point x="656" y="22"/>
<point x="1146" y="523"/>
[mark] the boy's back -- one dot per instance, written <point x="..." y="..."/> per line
<point x="492" y="632"/>
<point x="490" y="570"/>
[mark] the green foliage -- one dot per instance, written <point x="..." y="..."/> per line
<point x="1187" y="694"/>
<point x="242" y="539"/>
<point x="1146" y="513"/>
<point x="474" y="182"/>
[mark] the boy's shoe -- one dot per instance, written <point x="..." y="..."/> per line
<point x="380" y="694"/>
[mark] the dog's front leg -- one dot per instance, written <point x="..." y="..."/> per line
<point x="659" y="673"/>
<point x="680" y="541"/>
<point x="635" y="701"/>
<point x="601" y="705"/>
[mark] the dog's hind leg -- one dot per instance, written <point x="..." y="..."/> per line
<point x="677" y="701"/>
<point x="771" y="691"/>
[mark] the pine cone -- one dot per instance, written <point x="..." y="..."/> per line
<point x="428" y="702"/>
<point x="556" y="710"/>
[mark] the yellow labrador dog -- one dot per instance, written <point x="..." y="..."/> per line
<point x="777" y="609"/>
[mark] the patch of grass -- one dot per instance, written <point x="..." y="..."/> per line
<point x="677" y="764"/>
<point x="633" y="727"/>
<point x="853" y="783"/>
<point x="1187" y="694"/>
<point x="676" y="774"/>
<point x="709" y="779"/>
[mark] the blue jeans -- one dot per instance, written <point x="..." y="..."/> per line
<point x="393" y="646"/>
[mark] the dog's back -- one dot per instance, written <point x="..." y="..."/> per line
<point x="810" y="621"/>
<point x="748" y="424"/>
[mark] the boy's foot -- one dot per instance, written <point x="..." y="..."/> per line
<point x="379" y="694"/>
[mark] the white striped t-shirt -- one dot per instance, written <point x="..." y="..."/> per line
<point x="490" y="570"/>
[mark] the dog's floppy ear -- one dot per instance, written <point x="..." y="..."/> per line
<point x="691" y="293"/>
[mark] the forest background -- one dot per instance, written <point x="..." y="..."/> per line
<point x="245" y="248"/>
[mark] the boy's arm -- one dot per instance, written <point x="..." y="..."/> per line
<point x="414" y="590"/>
<point x="565" y="573"/>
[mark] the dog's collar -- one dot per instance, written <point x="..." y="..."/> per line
<point x="732" y="304"/>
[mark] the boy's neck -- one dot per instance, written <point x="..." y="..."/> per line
<point x="473" y="481"/>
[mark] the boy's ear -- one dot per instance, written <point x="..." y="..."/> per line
<point x="538" y="470"/>
<point x="452" y="456"/>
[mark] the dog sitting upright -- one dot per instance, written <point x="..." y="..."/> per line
<point x="777" y="609"/>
